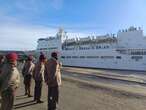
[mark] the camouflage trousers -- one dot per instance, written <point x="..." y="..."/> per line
<point x="7" y="100"/>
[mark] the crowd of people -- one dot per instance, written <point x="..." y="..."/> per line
<point x="44" y="70"/>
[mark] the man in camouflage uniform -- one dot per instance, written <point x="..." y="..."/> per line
<point x="1" y="62"/>
<point x="52" y="78"/>
<point x="27" y="71"/>
<point x="38" y="76"/>
<point x="10" y="79"/>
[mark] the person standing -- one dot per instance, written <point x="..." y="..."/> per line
<point x="38" y="76"/>
<point x="52" y="76"/>
<point x="1" y="62"/>
<point x="1" y="65"/>
<point x="27" y="71"/>
<point x="10" y="79"/>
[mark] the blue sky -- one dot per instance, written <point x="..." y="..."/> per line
<point x="24" y="21"/>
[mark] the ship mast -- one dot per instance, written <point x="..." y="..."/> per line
<point x="61" y="34"/>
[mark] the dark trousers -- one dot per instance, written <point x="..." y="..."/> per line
<point x="53" y="96"/>
<point x="38" y="90"/>
<point x="27" y="83"/>
<point x="7" y="100"/>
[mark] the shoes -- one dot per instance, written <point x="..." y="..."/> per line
<point x="39" y="101"/>
<point x="30" y="96"/>
<point x="25" y="94"/>
<point x="34" y="100"/>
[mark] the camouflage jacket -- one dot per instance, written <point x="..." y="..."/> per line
<point x="9" y="77"/>
<point x="38" y="73"/>
<point x="28" y="68"/>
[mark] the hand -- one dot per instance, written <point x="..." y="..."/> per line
<point x="46" y="82"/>
<point x="14" y="92"/>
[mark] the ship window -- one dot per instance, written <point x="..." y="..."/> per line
<point x="118" y="57"/>
<point x="43" y="48"/>
<point x="81" y="48"/>
<point x="138" y="53"/>
<point x="74" y="56"/>
<point x="98" y="47"/>
<point x="63" y="57"/>
<point x="136" y="57"/>
<point x="92" y="56"/>
<point x="93" y="47"/>
<point x="107" y="57"/>
<point x="68" y="57"/>
<point x="82" y="56"/>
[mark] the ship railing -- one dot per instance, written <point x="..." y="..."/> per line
<point x="132" y="51"/>
<point x="91" y="42"/>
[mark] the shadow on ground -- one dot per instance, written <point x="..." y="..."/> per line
<point x="24" y="104"/>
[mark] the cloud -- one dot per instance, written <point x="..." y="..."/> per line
<point x="21" y="37"/>
<point x="24" y="37"/>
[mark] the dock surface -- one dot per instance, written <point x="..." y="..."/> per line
<point x="80" y="93"/>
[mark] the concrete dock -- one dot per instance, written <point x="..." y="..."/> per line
<point x="80" y="93"/>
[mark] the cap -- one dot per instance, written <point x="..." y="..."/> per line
<point x="54" y="54"/>
<point x="1" y="57"/>
<point x="42" y="57"/>
<point x="30" y="58"/>
<point x="12" y="56"/>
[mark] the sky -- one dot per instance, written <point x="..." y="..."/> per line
<point x="22" y="22"/>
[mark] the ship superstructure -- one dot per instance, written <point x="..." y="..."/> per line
<point x="126" y="50"/>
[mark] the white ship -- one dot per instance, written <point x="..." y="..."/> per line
<point x="125" y="51"/>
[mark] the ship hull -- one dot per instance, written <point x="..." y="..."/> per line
<point x="105" y="59"/>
